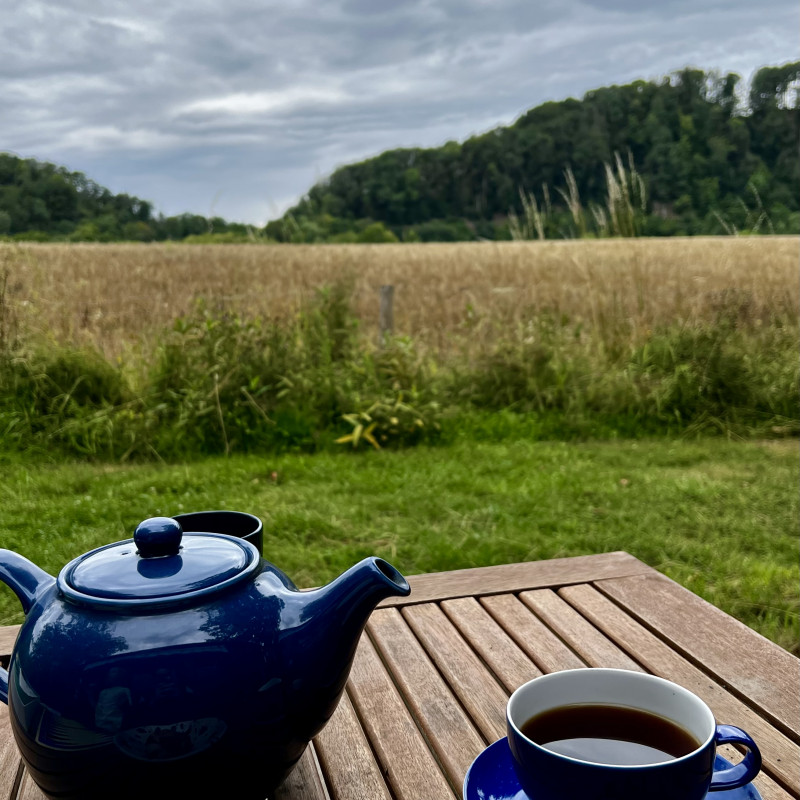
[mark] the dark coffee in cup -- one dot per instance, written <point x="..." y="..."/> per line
<point x="609" y="734"/>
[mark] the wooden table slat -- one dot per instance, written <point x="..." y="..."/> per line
<point x="767" y="788"/>
<point x="497" y="649"/>
<point x="8" y="635"/>
<point x="10" y="760"/>
<point x="781" y="755"/>
<point x="28" y="790"/>
<point x="505" y="578"/>
<point x="403" y="754"/>
<point x="761" y="671"/>
<point x="345" y="756"/>
<point x="429" y="683"/>
<point x="537" y="641"/>
<point x="438" y="712"/>
<point x="587" y="641"/>
<point x="305" y="781"/>
<point x="469" y="679"/>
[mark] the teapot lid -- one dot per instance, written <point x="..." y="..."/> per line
<point x="159" y="566"/>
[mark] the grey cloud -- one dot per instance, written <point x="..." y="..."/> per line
<point x="243" y="105"/>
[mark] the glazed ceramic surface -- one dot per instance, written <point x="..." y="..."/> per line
<point x="174" y="660"/>
<point x="551" y="775"/>
<point x="492" y="775"/>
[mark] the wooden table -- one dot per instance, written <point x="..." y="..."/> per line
<point x="432" y="674"/>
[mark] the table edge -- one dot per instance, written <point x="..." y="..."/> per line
<point x="518" y="577"/>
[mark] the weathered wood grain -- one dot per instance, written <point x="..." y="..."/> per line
<point x="346" y="759"/>
<point x="537" y="641"/>
<point x="468" y="678"/>
<point x="503" y="656"/>
<point x="752" y="666"/>
<point x="403" y="754"/>
<point x="446" y="725"/>
<point x="767" y="788"/>
<point x="28" y="790"/>
<point x="430" y="681"/>
<point x="8" y="635"/>
<point x="781" y="755"/>
<point x="505" y="578"/>
<point x="305" y="781"/>
<point x="590" y="644"/>
<point x="10" y="760"/>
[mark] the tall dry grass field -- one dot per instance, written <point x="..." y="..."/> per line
<point x="120" y="296"/>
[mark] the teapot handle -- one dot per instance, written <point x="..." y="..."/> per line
<point x="27" y="581"/>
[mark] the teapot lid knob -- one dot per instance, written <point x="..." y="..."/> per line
<point x="158" y="536"/>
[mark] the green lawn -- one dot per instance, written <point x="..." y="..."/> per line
<point x="719" y="517"/>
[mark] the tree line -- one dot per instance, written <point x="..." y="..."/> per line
<point x="43" y="201"/>
<point x="690" y="154"/>
<point x="707" y="157"/>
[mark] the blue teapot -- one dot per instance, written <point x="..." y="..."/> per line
<point x="179" y="662"/>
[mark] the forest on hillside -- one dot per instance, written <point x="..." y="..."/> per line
<point x="690" y="154"/>
<point x="40" y="201"/>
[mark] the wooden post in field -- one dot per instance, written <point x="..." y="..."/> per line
<point x="386" y="315"/>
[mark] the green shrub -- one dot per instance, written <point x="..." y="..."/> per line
<point x="719" y="376"/>
<point x="225" y="383"/>
<point x="221" y="383"/>
<point x="394" y="396"/>
<point x="62" y="399"/>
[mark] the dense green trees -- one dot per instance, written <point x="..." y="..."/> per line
<point x="691" y="154"/>
<point x="711" y="161"/>
<point x="43" y="201"/>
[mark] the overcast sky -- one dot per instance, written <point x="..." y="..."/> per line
<point x="236" y="107"/>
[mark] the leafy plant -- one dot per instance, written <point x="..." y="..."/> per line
<point x="389" y="421"/>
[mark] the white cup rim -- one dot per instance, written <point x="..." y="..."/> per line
<point x="702" y="713"/>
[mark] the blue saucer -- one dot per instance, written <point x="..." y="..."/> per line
<point x="491" y="777"/>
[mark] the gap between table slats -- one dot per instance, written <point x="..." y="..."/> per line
<point x="28" y="790"/>
<point x="444" y="722"/>
<point x="467" y="676"/>
<point x="588" y="642"/>
<point x="305" y="782"/>
<point x="10" y="759"/>
<point x="346" y="757"/>
<point x="760" y="672"/>
<point x="781" y="755"/>
<point x="502" y="655"/>
<point x="401" y="749"/>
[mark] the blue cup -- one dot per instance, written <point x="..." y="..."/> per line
<point x="547" y="775"/>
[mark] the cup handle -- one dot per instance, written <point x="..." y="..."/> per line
<point x="743" y="772"/>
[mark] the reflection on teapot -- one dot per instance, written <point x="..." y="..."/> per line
<point x="175" y="659"/>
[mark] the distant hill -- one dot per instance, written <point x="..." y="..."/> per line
<point x="685" y="155"/>
<point x="42" y="201"/>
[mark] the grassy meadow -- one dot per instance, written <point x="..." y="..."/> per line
<point x="719" y="517"/>
<point x="168" y="351"/>
<point x="537" y="399"/>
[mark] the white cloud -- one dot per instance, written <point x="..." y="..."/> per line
<point x="242" y="105"/>
<point x="253" y="103"/>
<point x="111" y="137"/>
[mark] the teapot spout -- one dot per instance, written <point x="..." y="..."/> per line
<point x="366" y="584"/>
<point x="344" y="605"/>
<point x="331" y="620"/>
